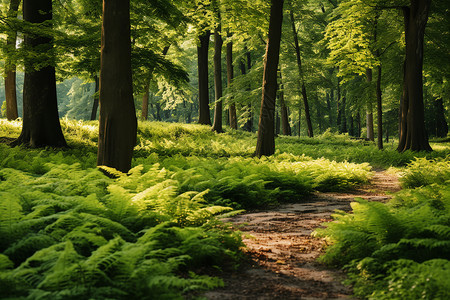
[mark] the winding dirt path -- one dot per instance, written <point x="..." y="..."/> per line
<point x="282" y="253"/>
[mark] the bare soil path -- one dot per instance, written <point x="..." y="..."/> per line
<point x="282" y="253"/>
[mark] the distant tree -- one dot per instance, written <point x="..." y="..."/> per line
<point x="302" y="80"/>
<point x="118" y="123"/>
<point x="203" y="90"/>
<point x="41" y="125"/>
<point x="218" y="42"/>
<point x="265" y="144"/>
<point x="10" y="66"/>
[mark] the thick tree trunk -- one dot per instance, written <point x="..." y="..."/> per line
<point x="416" y="136"/>
<point x="203" y="88"/>
<point x="232" y="107"/>
<point x="10" y="67"/>
<point x="265" y="144"/>
<point x="96" y="97"/>
<point x="218" y="107"/>
<point x="41" y="125"/>
<point x="118" y="124"/>
<point x="299" y="64"/>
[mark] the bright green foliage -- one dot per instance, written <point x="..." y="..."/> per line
<point x="421" y="172"/>
<point x="398" y="250"/>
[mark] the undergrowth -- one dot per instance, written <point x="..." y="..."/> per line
<point x="68" y="231"/>
<point x="398" y="250"/>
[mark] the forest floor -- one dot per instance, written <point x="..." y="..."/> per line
<point x="282" y="253"/>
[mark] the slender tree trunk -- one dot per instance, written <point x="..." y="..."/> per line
<point x="358" y="124"/>
<point x="118" y="123"/>
<point x="339" y="109"/>
<point x="344" y="115"/>
<point x="285" y="127"/>
<point x="96" y="97"/>
<point x="218" y="111"/>
<point x="379" y="111"/>
<point x="265" y="144"/>
<point x="10" y="66"/>
<point x="416" y="136"/>
<point x="232" y="107"/>
<point x="299" y="64"/>
<point x="248" y="126"/>
<point x="41" y="125"/>
<point x="440" y="121"/>
<point x="369" y="112"/>
<point x="203" y="88"/>
<point x="144" y="113"/>
<point x="331" y="108"/>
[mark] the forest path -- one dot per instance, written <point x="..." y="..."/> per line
<point x="282" y="253"/>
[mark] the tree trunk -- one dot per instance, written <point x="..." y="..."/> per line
<point x="248" y="126"/>
<point x="218" y="108"/>
<point x="416" y="17"/>
<point x="299" y="64"/>
<point x="144" y="113"/>
<point x="10" y="66"/>
<point x="440" y="121"/>
<point x="285" y="127"/>
<point x="338" y="106"/>
<point x="265" y="144"/>
<point x="358" y="124"/>
<point x="118" y="124"/>
<point x="96" y="96"/>
<point x="369" y="112"/>
<point x="203" y="88"/>
<point x="344" y="115"/>
<point x="232" y="106"/>
<point x="41" y="125"/>
<point x="379" y="111"/>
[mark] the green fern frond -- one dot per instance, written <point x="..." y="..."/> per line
<point x="10" y="213"/>
<point x="109" y="227"/>
<point x="5" y="262"/>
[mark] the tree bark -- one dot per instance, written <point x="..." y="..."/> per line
<point x="203" y="88"/>
<point x="10" y="66"/>
<point x="144" y="113"/>
<point x="218" y="107"/>
<point x="285" y="127"/>
<point x="96" y="97"/>
<point x="118" y="123"/>
<point x="248" y="126"/>
<point x="299" y="64"/>
<point x="265" y="144"/>
<point x="379" y="111"/>
<point x="41" y="125"/>
<point x="369" y="112"/>
<point x="232" y="106"/>
<point x="415" y="17"/>
<point x="440" y="124"/>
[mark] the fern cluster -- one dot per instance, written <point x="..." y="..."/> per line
<point x="422" y="171"/>
<point x="398" y="250"/>
<point x="77" y="234"/>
